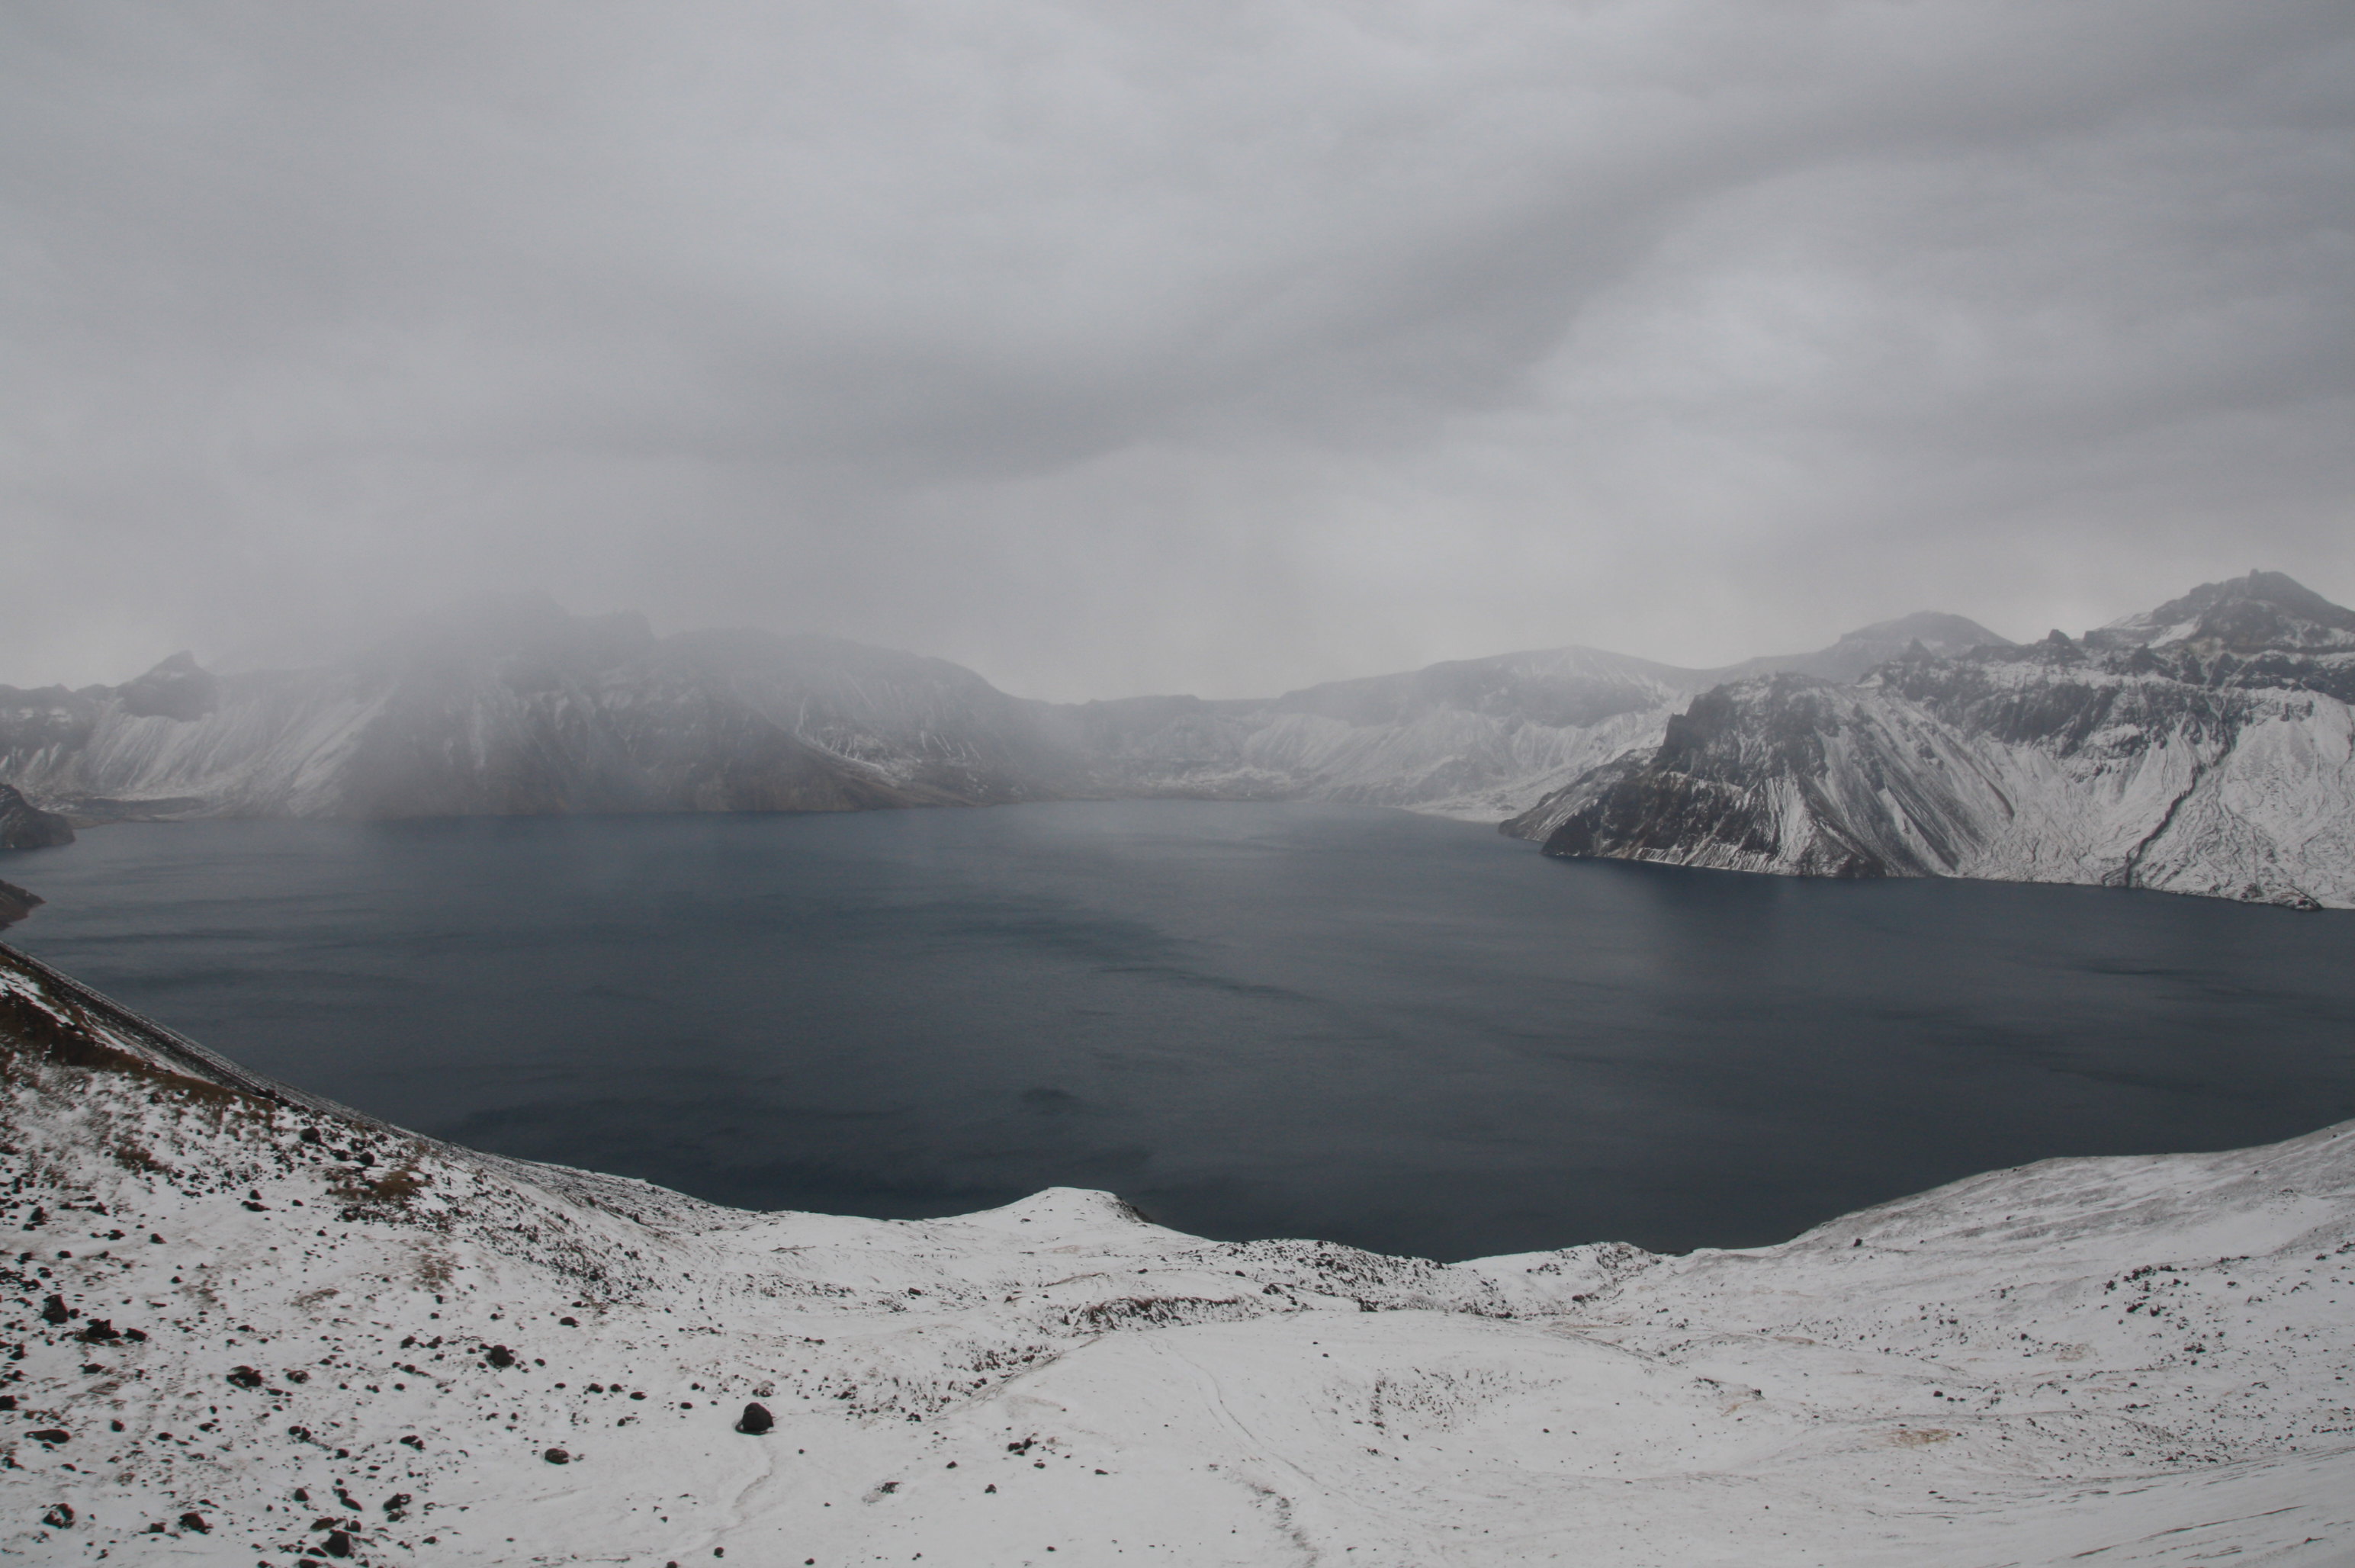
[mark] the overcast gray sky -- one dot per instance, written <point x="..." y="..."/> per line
<point x="1210" y="346"/>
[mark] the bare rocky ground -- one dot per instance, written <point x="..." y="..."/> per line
<point x="245" y="1327"/>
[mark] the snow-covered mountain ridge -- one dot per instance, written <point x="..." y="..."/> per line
<point x="2205" y="747"/>
<point x="250" y="1327"/>
<point x="513" y="706"/>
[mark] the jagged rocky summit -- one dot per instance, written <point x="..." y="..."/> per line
<point x="247" y="1326"/>
<point x="2205" y="747"/>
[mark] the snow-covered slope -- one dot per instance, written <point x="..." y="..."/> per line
<point x="2207" y="747"/>
<point x="1474" y="738"/>
<point x="252" y="1326"/>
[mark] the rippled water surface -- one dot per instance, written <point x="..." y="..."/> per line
<point x="1252" y="1020"/>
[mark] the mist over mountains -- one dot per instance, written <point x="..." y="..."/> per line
<point x="506" y="706"/>
<point x="2201" y="746"/>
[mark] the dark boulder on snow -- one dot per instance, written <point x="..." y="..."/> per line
<point x="755" y="1420"/>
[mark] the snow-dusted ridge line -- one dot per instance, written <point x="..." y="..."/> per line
<point x="359" y="1338"/>
<point x="514" y="707"/>
<point x="2207" y="747"/>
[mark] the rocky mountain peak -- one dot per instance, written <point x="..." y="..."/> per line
<point x="2266" y="611"/>
<point x="178" y="688"/>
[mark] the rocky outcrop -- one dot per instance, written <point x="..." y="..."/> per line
<point x="15" y="904"/>
<point x="23" y="826"/>
<point x="2207" y="747"/>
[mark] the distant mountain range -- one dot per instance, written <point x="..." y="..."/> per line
<point x="2202" y="747"/>
<point x="2205" y="747"/>
<point x="513" y="706"/>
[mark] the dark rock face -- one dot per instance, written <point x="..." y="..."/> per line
<point x="15" y="904"/>
<point x="755" y="1420"/>
<point x="23" y="826"/>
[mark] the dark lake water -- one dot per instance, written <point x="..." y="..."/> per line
<point x="1252" y="1020"/>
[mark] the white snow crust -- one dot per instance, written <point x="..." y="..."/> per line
<point x="2122" y="1361"/>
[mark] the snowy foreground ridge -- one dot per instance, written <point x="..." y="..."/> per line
<point x="247" y="1326"/>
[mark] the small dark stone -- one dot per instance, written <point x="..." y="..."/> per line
<point x="196" y="1522"/>
<point x="339" y="1543"/>
<point x="7" y="1402"/>
<point x="415" y="1442"/>
<point x="569" y="1322"/>
<point x="301" y="1494"/>
<point x="755" y="1420"/>
<point x="51" y="1434"/>
<point x="138" y="1336"/>
<point x="55" y="1310"/>
<point x="500" y="1356"/>
<point x="397" y="1506"/>
<point x="245" y="1377"/>
<point x="309" y="1135"/>
<point x="98" y="1331"/>
<point x="557" y="1457"/>
<point x="59" y="1517"/>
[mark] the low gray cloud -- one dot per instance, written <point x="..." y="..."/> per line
<point x="1223" y="347"/>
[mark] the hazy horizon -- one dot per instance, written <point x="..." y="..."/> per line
<point x="1108" y="351"/>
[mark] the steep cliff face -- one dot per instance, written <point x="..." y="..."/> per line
<point x="2207" y="747"/>
<point x="247" y="1325"/>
